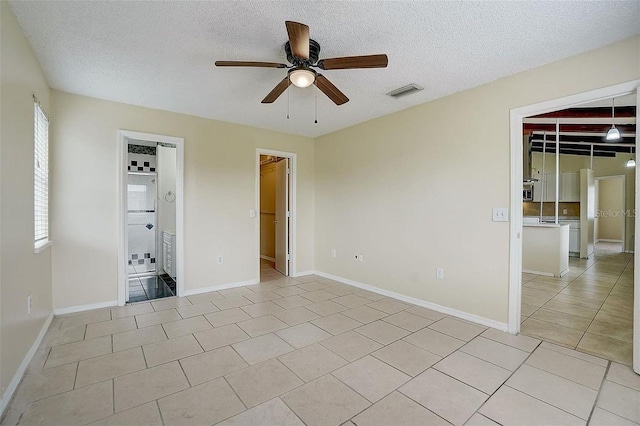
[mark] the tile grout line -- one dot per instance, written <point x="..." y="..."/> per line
<point x="595" y="402"/>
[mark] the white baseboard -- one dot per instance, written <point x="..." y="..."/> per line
<point x="502" y="326"/>
<point x="270" y="259"/>
<point x="607" y="240"/>
<point x="530" y="271"/>
<point x="82" y="308"/>
<point x="303" y="273"/>
<point x="195" y="291"/>
<point x="13" y="385"/>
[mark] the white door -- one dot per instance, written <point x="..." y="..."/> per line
<point x="282" y="216"/>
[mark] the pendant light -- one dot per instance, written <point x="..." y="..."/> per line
<point x="631" y="162"/>
<point x="613" y="134"/>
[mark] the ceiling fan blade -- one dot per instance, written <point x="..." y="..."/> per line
<point x="277" y="91"/>
<point x="249" y="64"/>
<point x="298" y="39"/>
<point x="354" y="62"/>
<point x="330" y="90"/>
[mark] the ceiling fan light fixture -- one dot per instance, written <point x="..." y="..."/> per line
<point x="613" y="134"/>
<point x="302" y="77"/>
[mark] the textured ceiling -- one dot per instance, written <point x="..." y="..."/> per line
<point x="161" y="54"/>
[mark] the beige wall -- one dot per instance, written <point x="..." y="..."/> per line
<point x="611" y="206"/>
<point x="219" y="185"/>
<point x="268" y="210"/>
<point x="21" y="271"/>
<point x="413" y="191"/>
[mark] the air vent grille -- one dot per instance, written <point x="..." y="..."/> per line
<point x="405" y="90"/>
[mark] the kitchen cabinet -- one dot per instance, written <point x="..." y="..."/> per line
<point x="570" y="187"/>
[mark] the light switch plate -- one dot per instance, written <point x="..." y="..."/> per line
<point x="501" y="214"/>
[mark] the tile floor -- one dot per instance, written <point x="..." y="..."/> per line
<point x="590" y="309"/>
<point x="151" y="287"/>
<point x="309" y="351"/>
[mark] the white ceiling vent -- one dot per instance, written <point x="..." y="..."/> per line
<point x="405" y="90"/>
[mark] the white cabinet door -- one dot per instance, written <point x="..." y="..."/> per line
<point x="550" y="187"/>
<point x="570" y="187"/>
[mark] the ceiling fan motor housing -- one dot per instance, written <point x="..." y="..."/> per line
<point x="314" y="55"/>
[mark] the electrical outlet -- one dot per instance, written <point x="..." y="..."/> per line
<point x="29" y="300"/>
<point x="361" y="257"/>
<point x="440" y="273"/>
<point x="564" y="211"/>
<point x="220" y="259"/>
<point x="500" y="215"/>
<point x="252" y="213"/>
<point x="333" y="252"/>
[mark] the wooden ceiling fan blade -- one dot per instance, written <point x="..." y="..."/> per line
<point x="330" y="90"/>
<point x="354" y="62"/>
<point x="298" y="39"/>
<point x="277" y="91"/>
<point x="249" y="64"/>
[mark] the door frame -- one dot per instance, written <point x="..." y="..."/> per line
<point x="293" y="168"/>
<point x="624" y="205"/>
<point x="515" y="231"/>
<point x="123" y="139"/>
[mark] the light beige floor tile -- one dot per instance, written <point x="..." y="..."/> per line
<point x="292" y="302"/>
<point x="170" y="303"/>
<point x="557" y="391"/>
<point x="171" y="350"/>
<point x="620" y="400"/>
<point x="325" y="401"/>
<point x="524" y="343"/>
<point x="232" y="302"/>
<point x="262" y="309"/>
<point x="371" y="377"/>
<point x="311" y="362"/>
<point x="511" y="407"/>
<point x="196" y="310"/>
<point x="389" y="306"/>
<point x="273" y="412"/>
<point x="194" y="406"/>
<point x="262" y="296"/>
<point x="479" y="420"/>
<point x="382" y="332"/>
<point x="108" y="366"/>
<point x="551" y="287"/>
<point x="289" y="291"/>
<point x="551" y="332"/>
<point x="584" y="294"/>
<point x="303" y="335"/>
<point x="98" y="329"/>
<point x="351" y="345"/>
<point x="458" y="329"/>
<point x="143" y="386"/>
<point x="226" y="317"/>
<point x="87" y="405"/>
<point x="133" y="338"/>
<point x="186" y="326"/>
<point x="623" y="375"/>
<point x="406" y="357"/>
<point x="397" y="409"/>
<point x="351" y="300"/>
<point x="143" y="415"/>
<point x="262" y="382"/>
<point x="611" y="330"/>
<point x="625" y="320"/>
<point x="56" y="337"/>
<point x="131" y="310"/>
<point x="318" y="295"/>
<point x="408" y="321"/>
<point x="364" y="314"/>
<point x="205" y="297"/>
<point x="571" y="368"/>
<point x="528" y="310"/>
<point x="234" y="292"/>
<point x="426" y="313"/>
<point x="313" y="286"/>
<point x="606" y="347"/>
<point x="154" y="318"/>
<point x="343" y="290"/>
<point x="87" y="317"/>
<point x="561" y="318"/>
<point x="336" y="324"/>
<point x="435" y="391"/>
<point x="263" y="325"/>
<point x="434" y="342"/>
<point x="39" y="384"/>
<point x="496" y="353"/>
<point x="262" y="348"/>
<point x="579" y="301"/>
<point x="602" y="417"/>
<point x="211" y="365"/>
<point x="369" y="295"/>
<point x="576" y="354"/>
<point x="220" y="336"/>
<point x="579" y="311"/>
<point x="473" y="371"/>
<point x="296" y="316"/>
<point x="73" y="352"/>
<point x="326" y="308"/>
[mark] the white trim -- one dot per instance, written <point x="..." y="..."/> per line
<point x="419" y="302"/>
<point x="515" y="232"/>
<point x="219" y="287"/>
<point x="15" y="381"/>
<point x="82" y="308"/>
<point x="636" y="261"/>
<point x="40" y="246"/>
<point x="270" y="259"/>
<point x="303" y="273"/>
<point x="123" y="137"/>
<point x="293" y="210"/>
<point x="608" y="240"/>
<point x="529" y="271"/>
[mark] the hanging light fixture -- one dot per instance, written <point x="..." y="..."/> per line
<point x="631" y="162"/>
<point x="613" y="134"/>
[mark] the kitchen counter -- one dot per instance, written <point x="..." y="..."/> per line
<point x="543" y="225"/>
<point x="545" y="249"/>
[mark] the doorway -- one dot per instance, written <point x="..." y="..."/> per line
<point x="610" y="218"/>
<point x="276" y="210"/>
<point x="150" y="217"/>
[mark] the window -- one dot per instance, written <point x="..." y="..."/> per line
<point x="41" y="175"/>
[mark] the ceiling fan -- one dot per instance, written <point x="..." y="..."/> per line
<point x="303" y="55"/>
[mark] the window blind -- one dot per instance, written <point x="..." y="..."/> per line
<point x="41" y="174"/>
